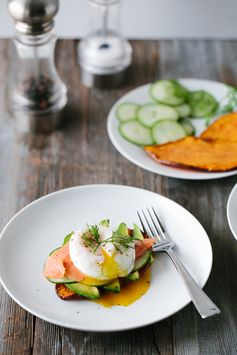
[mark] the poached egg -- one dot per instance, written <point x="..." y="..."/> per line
<point x="106" y="262"/>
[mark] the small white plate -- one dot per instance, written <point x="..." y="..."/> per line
<point x="139" y="157"/>
<point x="232" y="211"/>
<point x="41" y="226"/>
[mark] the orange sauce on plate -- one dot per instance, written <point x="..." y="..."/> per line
<point x="128" y="294"/>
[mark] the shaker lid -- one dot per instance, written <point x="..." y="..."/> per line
<point x="33" y="17"/>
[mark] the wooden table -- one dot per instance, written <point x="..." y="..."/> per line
<point x="81" y="153"/>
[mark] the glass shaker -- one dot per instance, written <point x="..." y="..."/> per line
<point x="104" y="54"/>
<point x="36" y="94"/>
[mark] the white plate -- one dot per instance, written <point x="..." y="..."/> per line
<point x="138" y="156"/>
<point x="41" y="226"/>
<point x="232" y="211"/>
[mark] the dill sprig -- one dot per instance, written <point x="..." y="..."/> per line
<point x="119" y="241"/>
<point x="91" y="239"/>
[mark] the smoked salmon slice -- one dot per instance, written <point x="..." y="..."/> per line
<point x="142" y="246"/>
<point x="59" y="265"/>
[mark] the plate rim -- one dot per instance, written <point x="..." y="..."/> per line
<point x="232" y="192"/>
<point x="69" y="325"/>
<point x="199" y="176"/>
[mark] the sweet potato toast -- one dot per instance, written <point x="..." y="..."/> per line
<point x="223" y="128"/>
<point x="214" y="155"/>
<point x="65" y="294"/>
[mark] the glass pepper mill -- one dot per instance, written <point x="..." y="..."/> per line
<point x="36" y="94"/>
<point x="104" y="54"/>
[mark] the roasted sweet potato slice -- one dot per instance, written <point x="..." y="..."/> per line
<point x="215" y="155"/>
<point x="223" y="128"/>
<point x="65" y="294"/>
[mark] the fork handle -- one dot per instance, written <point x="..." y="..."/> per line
<point x="202" y="302"/>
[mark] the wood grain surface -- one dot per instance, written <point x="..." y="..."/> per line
<point x="81" y="153"/>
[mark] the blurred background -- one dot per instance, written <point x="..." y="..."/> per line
<point x="148" y="19"/>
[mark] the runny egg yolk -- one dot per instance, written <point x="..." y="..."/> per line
<point x="110" y="269"/>
<point x="128" y="294"/>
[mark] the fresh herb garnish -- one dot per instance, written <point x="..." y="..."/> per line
<point x="227" y="104"/>
<point x="91" y="239"/>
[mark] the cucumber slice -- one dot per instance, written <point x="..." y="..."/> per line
<point x="187" y="126"/>
<point x="142" y="261"/>
<point x="149" y="114"/>
<point x="184" y="110"/>
<point x="135" y="133"/>
<point x="90" y="292"/>
<point x="60" y="281"/>
<point x="167" y="131"/>
<point x="113" y="286"/>
<point x="168" y="92"/>
<point x="126" y="111"/>
<point x="134" y="276"/>
<point x="202" y="103"/>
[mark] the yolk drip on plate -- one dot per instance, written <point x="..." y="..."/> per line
<point x="128" y="294"/>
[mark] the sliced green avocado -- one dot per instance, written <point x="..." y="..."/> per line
<point x="67" y="238"/>
<point x="104" y="223"/>
<point x="142" y="261"/>
<point x="113" y="286"/>
<point x="133" y="276"/>
<point x="137" y="233"/>
<point x="122" y="230"/>
<point x="64" y="280"/>
<point x="90" y="292"/>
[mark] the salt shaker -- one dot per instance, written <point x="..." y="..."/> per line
<point x="104" y="54"/>
<point x="36" y="94"/>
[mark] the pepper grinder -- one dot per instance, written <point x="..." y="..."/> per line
<point x="36" y="94"/>
<point x="104" y="55"/>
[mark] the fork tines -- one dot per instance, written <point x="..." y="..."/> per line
<point x="151" y="223"/>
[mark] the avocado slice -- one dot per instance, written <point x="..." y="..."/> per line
<point x="104" y="223"/>
<point x="90" y="292"/>
<point x="67" y="238"/>
<point x="113" y="286"/>
<point x="133" y="276"/>
<point x="137" y="233"/>
<point x="142" y="261"/>
<point x="122" y="230"/>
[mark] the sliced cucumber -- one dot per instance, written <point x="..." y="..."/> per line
<point x="202" y="103"/>
<point x="142" y="261"/>
<point x="187" y="126"/>
<point x="168" y="92"/>
<point x="91" y="292"/>
<point x="149" y="114"/>
<point x="184" y="110"/>
<point x="63" y="280"/>
<point x="126" y="111"/>
<point x="167" y="131"/>
<point x="135" y="133"/>
<point x="113" y="286"/>
<point x="134" y="276"/>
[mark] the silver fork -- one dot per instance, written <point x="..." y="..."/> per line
<point x="152" y="226"/>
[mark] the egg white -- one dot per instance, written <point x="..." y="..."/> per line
<point x="106" y="263"/>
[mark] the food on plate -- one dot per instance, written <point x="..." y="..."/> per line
<point x="100" y="263"/>
<point x="223" y="128"/>
<point x="173" y="105"/>
<point x="214" y="155"/>
<point x="201" y="103"/>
